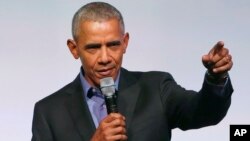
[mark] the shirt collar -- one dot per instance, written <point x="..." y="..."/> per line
<point x="86" y="86"/>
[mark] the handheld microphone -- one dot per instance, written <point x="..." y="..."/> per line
<point x="108" y="89"/>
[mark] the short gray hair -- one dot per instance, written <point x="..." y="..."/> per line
<point x="95" y="11"/>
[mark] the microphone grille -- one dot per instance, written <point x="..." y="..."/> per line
<point x="107" y="86"/>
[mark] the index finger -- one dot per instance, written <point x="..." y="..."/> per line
<point x="218" y="47"/>
<point x="113" y="116"/>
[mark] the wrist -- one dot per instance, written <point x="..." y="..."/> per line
<point x="216" y="78"/>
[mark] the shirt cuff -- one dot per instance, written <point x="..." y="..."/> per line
<point x="221" y="80"/>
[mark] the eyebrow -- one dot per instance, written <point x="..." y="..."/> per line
<point x="93" y="45"/>
<point x="108" y="44"/>
<point x="113" y="43"/>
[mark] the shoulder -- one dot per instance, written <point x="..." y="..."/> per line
<point x="149" y="77"/>
<point x="59" y="97"/>
<point x="155" y="75"/>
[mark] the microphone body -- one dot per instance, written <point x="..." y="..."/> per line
<point x="108" y="90"/>
<point x="111" y="104"/>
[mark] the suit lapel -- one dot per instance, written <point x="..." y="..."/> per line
<point x="79" y="111"/>
<point x="127" y="95"/>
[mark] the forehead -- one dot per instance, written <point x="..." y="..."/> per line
<point x="100" y="29"/>
<point x="100" y="24"/>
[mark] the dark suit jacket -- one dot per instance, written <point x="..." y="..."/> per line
<point x="152" y="103"/>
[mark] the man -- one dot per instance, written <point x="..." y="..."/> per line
<point x="150" y="104"/>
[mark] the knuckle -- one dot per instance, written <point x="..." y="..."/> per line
<point x="226" y="50"/>
<point x="231" y="65"/>
<point x="121" y="136"/>
<point x="118" y="122"/>
<point x="106" y="138"/>
<point x="124" y="137"/>
<point x="119" y="129"/>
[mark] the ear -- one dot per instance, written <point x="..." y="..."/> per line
<point x="125" y="42"/>
<point x="73" y="48"/>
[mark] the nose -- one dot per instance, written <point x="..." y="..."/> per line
<point x="104" y="56"/>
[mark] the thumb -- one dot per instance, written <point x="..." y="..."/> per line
<point x="206" y="61"/>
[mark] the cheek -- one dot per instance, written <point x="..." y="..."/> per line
<point x="88" y="62"/>
<point x="118" y="57"/>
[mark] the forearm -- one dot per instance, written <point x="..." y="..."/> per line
<point x="196" y="110"/>
<point x="214" y="103"/>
